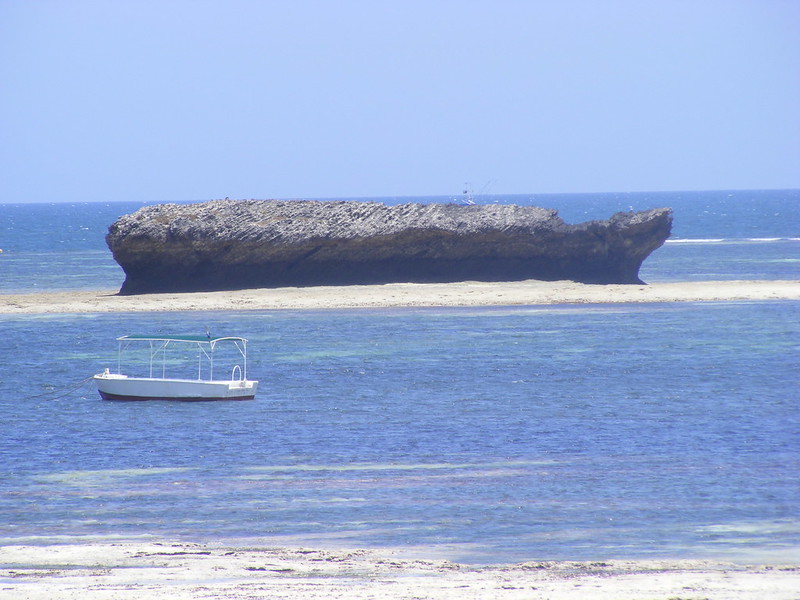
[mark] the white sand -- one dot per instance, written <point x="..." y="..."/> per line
<point x="126" y="571"/>
<point x="401" y="295"/>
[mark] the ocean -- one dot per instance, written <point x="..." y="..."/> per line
<point x="715" y="236"/>
<point x="484" y="435"/>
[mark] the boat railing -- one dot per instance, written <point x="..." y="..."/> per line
<point x="205" y="353"/>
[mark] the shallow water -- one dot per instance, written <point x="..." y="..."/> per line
<point x="494" y="434"/>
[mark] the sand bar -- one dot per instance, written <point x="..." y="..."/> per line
<point x="400" y="295"/>
<point x="182" y="571"/>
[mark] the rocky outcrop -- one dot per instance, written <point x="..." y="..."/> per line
<point x="227" y="244"/>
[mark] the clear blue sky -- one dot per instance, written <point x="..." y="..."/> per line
<point x="171" y="100"/>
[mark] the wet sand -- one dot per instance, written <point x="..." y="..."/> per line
<point x="181" y="571"/>
<point x="400" y="295"/>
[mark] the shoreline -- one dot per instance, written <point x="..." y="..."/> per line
<point x="183" y="571"/>
<point x="398" y="295"/>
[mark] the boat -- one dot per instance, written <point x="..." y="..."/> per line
<point x="118" y="386"/>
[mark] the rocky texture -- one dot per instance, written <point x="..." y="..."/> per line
<point x="227" y="244"/>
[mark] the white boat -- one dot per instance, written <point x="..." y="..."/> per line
<point x="116" y="386"/>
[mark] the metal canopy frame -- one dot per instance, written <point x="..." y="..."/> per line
<point x="205" y="348"/>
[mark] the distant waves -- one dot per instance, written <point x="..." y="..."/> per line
<point x="730" y="240"/>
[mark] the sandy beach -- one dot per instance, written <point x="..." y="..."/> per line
<point x="181" y="571"/>
<point x="400" y="295"/>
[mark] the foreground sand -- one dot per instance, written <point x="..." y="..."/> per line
<point x="128" y="571"/>
<point x="401" y="295"/>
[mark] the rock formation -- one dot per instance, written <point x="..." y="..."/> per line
<point x="226" y="244"/>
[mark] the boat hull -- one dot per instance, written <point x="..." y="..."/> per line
<point x="121" y="387"/>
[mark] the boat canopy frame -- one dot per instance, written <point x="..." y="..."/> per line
<point x="205" y="349"/>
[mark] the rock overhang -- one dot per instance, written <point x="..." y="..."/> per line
<point x="227" y="244"/>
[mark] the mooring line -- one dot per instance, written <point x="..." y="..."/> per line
<point x="61" y="392"/>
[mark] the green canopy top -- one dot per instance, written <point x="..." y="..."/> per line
<point x="194" y="339"/>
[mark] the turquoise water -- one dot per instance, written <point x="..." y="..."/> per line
<point x="484" y="435"/>
<point x="494" y="434"/>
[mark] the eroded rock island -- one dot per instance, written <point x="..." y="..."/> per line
<point x="229" y="244"/>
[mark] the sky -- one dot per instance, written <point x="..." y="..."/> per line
<point x="185" y="100"/>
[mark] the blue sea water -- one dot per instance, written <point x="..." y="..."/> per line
<point x="716" y="236"/>
<point x="484" y="435"/>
